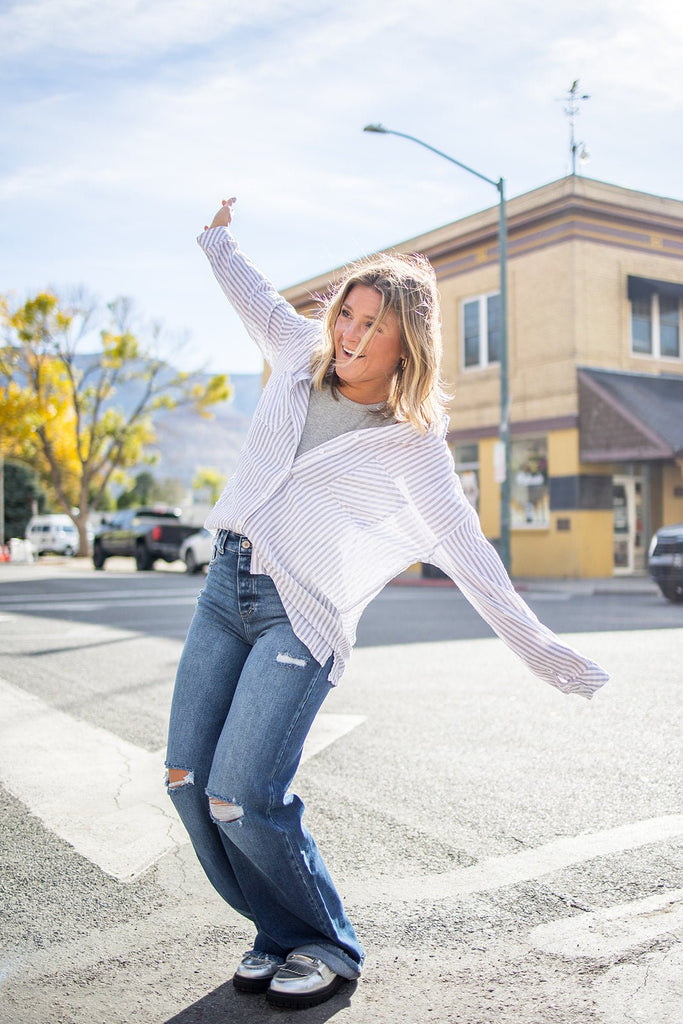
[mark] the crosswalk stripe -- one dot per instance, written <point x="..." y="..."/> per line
<point x="98" y="792"/>
<point x="612" y="932"/>
<point x="511" y="869"/>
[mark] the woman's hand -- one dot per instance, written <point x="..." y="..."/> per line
<point x="224" y="216"/>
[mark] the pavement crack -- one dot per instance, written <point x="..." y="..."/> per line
<point x="569" y="901"/>
<point x="126" y="778"/>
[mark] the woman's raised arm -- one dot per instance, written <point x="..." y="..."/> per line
<point x="279" y="331"/>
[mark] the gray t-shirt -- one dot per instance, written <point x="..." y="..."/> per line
<point x="328" y="416"/>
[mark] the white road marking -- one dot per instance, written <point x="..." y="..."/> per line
<point x="98" y="792"/>
<point x="612" y="932"/>
<point x="649" y="989"/>
<point x="496" y="872"/>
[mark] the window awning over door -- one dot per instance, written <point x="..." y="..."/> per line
<point x="626" y="417"/>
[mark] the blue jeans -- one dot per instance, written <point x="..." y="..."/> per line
<point x="246" y="693"/>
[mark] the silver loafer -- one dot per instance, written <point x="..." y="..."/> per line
<point x="255" y="971"/>
<point x="303" y="981"/>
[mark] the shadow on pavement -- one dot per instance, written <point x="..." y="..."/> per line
<point x="224" y="1005"/>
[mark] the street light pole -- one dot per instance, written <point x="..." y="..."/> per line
<point x="504" y="426"/>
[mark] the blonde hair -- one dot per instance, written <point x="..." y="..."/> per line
<point x="407" y="285"/>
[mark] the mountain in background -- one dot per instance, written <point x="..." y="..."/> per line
<point x="187" y="441"/>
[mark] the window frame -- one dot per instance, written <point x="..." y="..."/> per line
<point x="484" y="339"/>
<point x="530" y="497"/>
<point x="655" y="325"/>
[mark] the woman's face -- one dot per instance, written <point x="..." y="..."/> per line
<point x="366" y="379"/>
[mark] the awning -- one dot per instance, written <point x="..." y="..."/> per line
<point x="626" y="417"/>
<point x="644" y="287"/>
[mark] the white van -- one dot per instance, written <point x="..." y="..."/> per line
<point x="52" y="533"/>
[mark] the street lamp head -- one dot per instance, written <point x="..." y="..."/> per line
<point x="376" y="128"/>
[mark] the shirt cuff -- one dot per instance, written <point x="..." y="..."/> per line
<point x="586" y="683"/>
<point x="215" y="238"/>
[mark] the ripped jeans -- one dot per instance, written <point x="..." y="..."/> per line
<point x="246" y="693"/>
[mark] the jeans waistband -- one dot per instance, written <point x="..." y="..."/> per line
<point x="228" y="539"/>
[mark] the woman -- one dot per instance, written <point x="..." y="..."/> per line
<point x="344" y="481"/>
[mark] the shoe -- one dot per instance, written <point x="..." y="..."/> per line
<point x="303" y="981"/>
<point x="255" y="971"/>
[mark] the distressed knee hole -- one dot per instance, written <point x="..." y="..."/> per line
<point x="221" y="810"/>
<point x="176" y="778"/>
<point x="288" y="659"/>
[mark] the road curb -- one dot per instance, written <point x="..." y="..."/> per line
<point x="628" y="586"/>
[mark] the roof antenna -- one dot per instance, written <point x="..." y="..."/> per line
<point x="573" y="101"/>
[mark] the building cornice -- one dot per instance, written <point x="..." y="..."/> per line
<point x="572" y="208"/>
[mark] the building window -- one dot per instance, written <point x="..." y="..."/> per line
<point x="481" y="330"/>
<point x="655" y="323"/>
<point x="669" y="327"/>
<point x="529" y="493"/>
<point x="466" y="457"/>
<point x="641" y="326"/>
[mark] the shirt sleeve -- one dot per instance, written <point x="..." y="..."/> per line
<point x="473" y="564"/>
<point x="279" y="331"/>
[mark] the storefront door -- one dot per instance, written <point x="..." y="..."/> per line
<point x="627" y="503"/>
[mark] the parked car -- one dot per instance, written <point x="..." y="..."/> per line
<point x="196" y="549"/>
<point x="145" y="534"/>
<point x="52" y="534"/>
<point x="665" y="561"/>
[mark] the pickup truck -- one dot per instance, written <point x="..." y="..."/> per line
<point x="145" y="534"/>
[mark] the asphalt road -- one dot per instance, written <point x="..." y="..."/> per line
<point x="508" y="854"/>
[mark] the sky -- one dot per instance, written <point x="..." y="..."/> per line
<point x="125" y="122"/>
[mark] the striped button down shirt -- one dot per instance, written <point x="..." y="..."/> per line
<point x="336" y="524"/>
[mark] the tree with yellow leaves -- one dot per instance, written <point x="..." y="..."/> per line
<point x="61" y="365"/>
<point x="209" y="481"/>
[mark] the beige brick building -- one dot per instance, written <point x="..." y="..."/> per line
<point x="595" y="299"/>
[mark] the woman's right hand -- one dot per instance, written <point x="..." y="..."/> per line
<point x="224" y="216"/>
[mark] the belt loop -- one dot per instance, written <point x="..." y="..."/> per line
<point x="219" y="541"/>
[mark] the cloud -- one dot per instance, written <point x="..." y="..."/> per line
<point x="125" y="28"/>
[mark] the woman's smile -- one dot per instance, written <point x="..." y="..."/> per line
<point x="349" y="352"/>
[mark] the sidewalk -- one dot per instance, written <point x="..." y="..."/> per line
<point x="635" y="585"/>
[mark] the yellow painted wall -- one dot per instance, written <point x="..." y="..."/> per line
<point x="563" y="453"/>
<point x="489" y="490"/>
<point x="672" y="506"/>
<point x="584" y="550"/>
